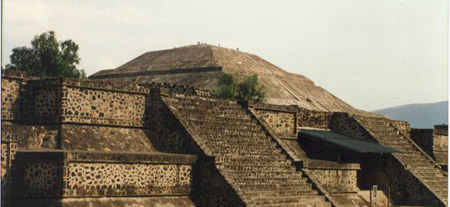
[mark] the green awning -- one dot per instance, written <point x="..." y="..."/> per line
<point x="347" y="142"/>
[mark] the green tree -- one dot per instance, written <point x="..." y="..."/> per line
<point x="47" y="58"/>
<point x="251" y="89"/>
<point x="248" y="89"/>
<point x="227" y="88"/>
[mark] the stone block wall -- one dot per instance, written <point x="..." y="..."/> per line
<point x="41" y="101"/>
<point x="59" y="100"/>
<point x="440" y="144"/>
<point x="281" y="119"/>
<point x="424" y="138"/>
<point x="87" y="102"/>
<point x="344" y="123"/>
<point x="8" y="151"/>
<point x="405" y="187"/>
<point x="102" y="106"/>
<point x="314" y="119"/>
<point x="11" y="88"/>
<point x="433" y="142"/>
<point x="335" y="177"/>
<point x="63" y="174"/>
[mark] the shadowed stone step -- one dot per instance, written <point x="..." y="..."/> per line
<point x="290" y="199"/>
<point x="303" y="191"/>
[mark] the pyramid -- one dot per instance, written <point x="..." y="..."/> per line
<point x="201" y="66"/>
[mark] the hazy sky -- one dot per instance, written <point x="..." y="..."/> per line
<point x="370" y="53"/>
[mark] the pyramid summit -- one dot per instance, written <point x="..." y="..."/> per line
<point x="201" y="66"/>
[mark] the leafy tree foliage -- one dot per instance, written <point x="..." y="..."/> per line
<point x="47" y="58"/>
<point x="227" y="88"/>
<point x="248" y="89"/>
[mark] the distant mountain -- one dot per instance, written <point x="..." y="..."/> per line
<point x="419" y="115"/>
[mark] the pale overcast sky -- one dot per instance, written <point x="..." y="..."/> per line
<point x="370" y="53"/>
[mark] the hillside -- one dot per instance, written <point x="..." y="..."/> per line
<point x="419" y="115"/>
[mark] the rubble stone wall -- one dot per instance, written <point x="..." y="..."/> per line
<point x="440" y="144"/>
<point x="424" y="138"/>
<point x="100" y="106"/>
<point x="284" y="124"/>
<point x="406" y="189"/>
<point x="336" y="180"/>
<point x="58" y="100"/>
<point x="41" y="101"/>
<point x="335" y="177"/>
<point x="314" y="119"/>
<point x="10" y="97"/>
<point x="343" y="123"/>
<point x="82" y="174"/>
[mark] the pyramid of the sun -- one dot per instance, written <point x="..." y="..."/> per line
<point x="201" y="66"/>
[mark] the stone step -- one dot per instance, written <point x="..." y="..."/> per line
<point x="255" y="162"/>
<point x="239" y="116"/>
<point x="411" y="156"/>
<point x="259" y="165"/>
<point x="231" y="148"/>
<point x="275" y="171"/>
<point x="238" y="137"/>
<point x="187" y="101"/>
<point x="272" y="180"/>
<point x="220" y="121"/>
<point x="251" y="168"/>
<point x="438" y="186"/>
<point x="267" y="174"/>
<point x="248" y="142"/>
<point x="243" y="159"/>
<point x="218" y="128"/>
<point x="231" y="116"/>
<point x="217" y="111"/>
<point x="304" y="204"/>
<point x="404" y="144"/>
<point x="274" y="155"/>
<point x="244" y="150"/>
<point x="274" y="186"/>
<point x="206" y="133"/>
<point x="305" y="190"/>
<point x="310" y="199"/>
<point x="428" y="175"/>
<point x="243" y="117"/>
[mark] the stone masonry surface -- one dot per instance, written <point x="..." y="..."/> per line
<point x="68" y="142"/>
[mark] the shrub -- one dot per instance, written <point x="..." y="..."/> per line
<point x="248" y="89"/>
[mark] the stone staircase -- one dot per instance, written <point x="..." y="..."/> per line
<point x="245" y="154"/>
<point x="412" y="157"/>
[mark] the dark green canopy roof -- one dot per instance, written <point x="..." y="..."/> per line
<point x="347" y="142"/>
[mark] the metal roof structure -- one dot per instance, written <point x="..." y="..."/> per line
<point x="347" y="142"/>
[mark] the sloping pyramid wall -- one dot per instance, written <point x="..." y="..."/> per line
<point x="249" y="160"/>
<point x="414" y="177"/>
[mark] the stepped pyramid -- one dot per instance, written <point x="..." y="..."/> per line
<point x="200" y="66"/>
<point x="245" y="154"/>
<point x="114" y="142"/>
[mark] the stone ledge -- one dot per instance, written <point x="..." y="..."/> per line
<point x="321" y="164"/>
<point x="117" y="156"/>
<point x="164" y="201"/>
